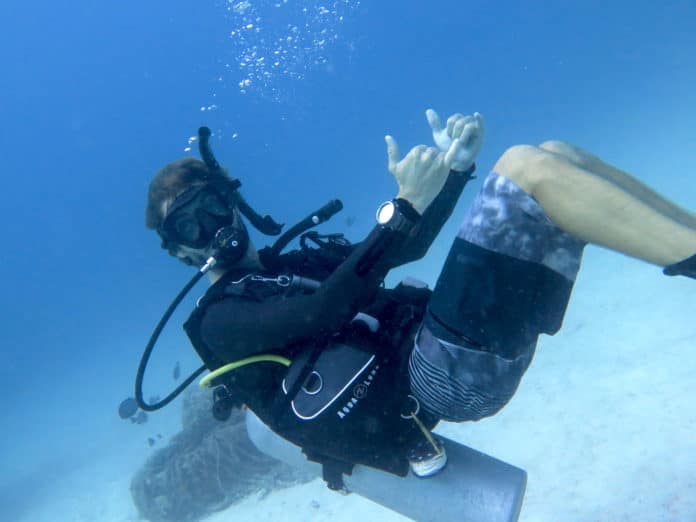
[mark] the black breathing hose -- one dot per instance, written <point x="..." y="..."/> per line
<point x="151" y="345"/>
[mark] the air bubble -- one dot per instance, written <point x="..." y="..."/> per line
<point x="298" y="36"/>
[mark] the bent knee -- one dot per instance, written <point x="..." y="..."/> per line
<point x="557" y="146"/>
<point x="519" y="164"/>
<point x="572" y="153"/>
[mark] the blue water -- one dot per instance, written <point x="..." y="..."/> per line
<point x="95" y="97"/>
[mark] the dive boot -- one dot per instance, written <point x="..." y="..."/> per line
<point x="687" y="268"/>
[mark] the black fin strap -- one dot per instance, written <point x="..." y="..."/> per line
<point x="687" y="268"/>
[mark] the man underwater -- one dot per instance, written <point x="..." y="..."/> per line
<point x="353" y="372"/>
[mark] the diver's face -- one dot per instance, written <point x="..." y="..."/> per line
<point x="191" y="256"/>
<point x="199" y="255"/>
<point x="194" y="217"/>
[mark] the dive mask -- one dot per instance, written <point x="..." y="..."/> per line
<point x="203" y="218"/>
<point x="195" y="216"/>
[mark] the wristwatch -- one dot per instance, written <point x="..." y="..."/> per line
<point x="397" y="214"/>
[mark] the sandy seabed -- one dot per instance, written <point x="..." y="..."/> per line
<point x="604" y="421"/>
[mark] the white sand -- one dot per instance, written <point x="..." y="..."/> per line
<point x="604" y="421"/>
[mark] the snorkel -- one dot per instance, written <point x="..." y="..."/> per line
<point x="228" y="245"/>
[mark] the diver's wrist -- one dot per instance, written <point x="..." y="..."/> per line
<point x="414" y="200"/>
<point x="397" y="214"/>
<point x="468" y="171"/>
<point x="407" y="209"/>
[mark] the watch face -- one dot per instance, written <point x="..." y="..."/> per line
<point x="385" y="212"/>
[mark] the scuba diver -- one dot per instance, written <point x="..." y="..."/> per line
<point x="356" y="373"/>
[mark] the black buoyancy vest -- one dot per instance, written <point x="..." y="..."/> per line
<point x="352" y="404"/>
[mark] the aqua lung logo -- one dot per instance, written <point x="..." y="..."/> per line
<point x="359" y="392"/>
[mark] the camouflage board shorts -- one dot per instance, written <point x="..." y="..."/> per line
<point x="507" y="279"/>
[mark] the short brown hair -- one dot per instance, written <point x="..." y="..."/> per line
<point x="172" y="180"/>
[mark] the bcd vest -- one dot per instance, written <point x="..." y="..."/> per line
<point x="344" y="398"/>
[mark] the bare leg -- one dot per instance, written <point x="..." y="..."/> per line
<point x="627" y="182"/>
<point x="599" y="203"/>
<point x="511" y="268"/>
